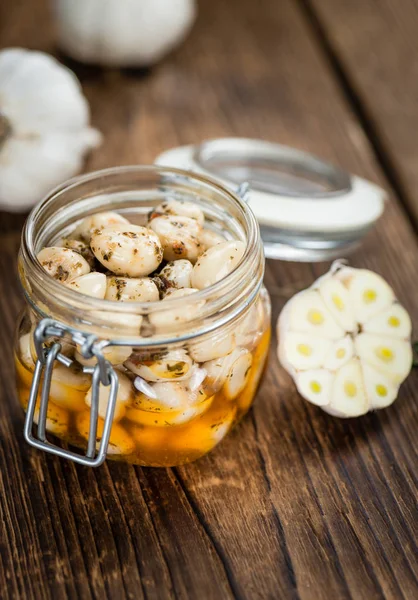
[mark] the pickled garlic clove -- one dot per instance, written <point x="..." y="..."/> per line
<point x="80" y="247"/>
<point x="176" y="207"/>
<point x="216" y="263"/>
<point x="174" y="319"/>
<point x="91" y="284"/>
<point x="219" y="369"/>
<point x="337" y="300"/>
<point x="340" y="353"/>
<point x="388" y="355"/>
<point x="99" y="221"/>
<point x="173" y="365"/>
<point x="119" y="325"/>
<point x="127" y="250"/>
<point x="197" y="378"/>
<point x="307" y="313"/>
<point x="209" y="238"/>
<point x="116" y="355"/>
<point x="168" y="418"/>
<point x="179" y="236"/>
<point x="348" y="395"/>
<point x="381" y="391"/>
<point x="302" y="351"/>
<point x="27" y="353"/>
<point x="369" y="293"/>
<point x="238" y="376"/>
<point x="120" y="442"/>
<point x="68" y="386"/>
<point x="124" y="397"/>
<point x="393" y="322"/>
<point x="63" y="264"/>
<point x="216" y="345"/>
<point x="57" y="419"/>
<point x="315" y="385"/>
<point x="170" y="396"/>
<point x="126" y="289"/>
<point x="178" y="273"/>
<point x="250" y="328"/>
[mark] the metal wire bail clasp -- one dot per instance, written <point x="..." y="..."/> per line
<point x="102" y="373"/>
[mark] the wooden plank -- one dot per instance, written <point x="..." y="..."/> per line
<point x="293" y="503"/>
<point x="375" y="44"/>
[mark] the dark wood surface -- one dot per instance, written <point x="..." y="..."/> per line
<point x="293" y="504"/>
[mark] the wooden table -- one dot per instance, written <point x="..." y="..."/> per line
<point x="293" y="504"/>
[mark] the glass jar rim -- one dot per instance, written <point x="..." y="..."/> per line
<point x="214" y="297"/>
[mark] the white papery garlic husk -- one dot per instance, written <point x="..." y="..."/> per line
<point x="345" y="341"/>
<point x="44" y="127"/>
<point x="123" y="33"/>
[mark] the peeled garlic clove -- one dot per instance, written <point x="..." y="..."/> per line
<point x="174" y="365"/>
<point x="238" y="375"/>
<point x="219" y="369"/>
<point x="369" y="293"/>
<point x="340" y="352"/>
<point x="250" y="329"/>
<point x="63" y="264"/>
<point x="116" y="355"/>
<point x="174" y="319"/>
<point x="302" y="351"/>
<point x="388" y="355"/>
<point x="315" y="385"/>
<point x="209" y="238"/>
<point x="381" y="391"/>
<point x="216" y="263"/>
<point x="183" y="209"/>
<point x="348" y="396"/>
<point x="26" y="354"/>
<point x="169" y="418"/>
<point x="68" y="386"/>
<point x="337" y="300"/>
<point x="170" y="396"/>
<point x="57" y="419"/>
<point x="393" y="322"/>
<point x="92" y="284"/>
<point x="307" y="313"/>
<point x="80" y="247"/>
<point x="216" y="345"/>
<point x="124" y="324"/>
<point x="127" y="250"/>
<point x="99" y="221"/>
<point x="120" y="442"/>
<point x="178" y="273"/>
<point x="124" y="397"/>
<point x="179" y="236"/>
<point x="125" y="289"/>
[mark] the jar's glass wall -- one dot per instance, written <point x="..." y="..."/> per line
<point x="183" y="382"/>
<point x="190" y="417"/>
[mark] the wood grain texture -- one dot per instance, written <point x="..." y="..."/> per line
<point x="375" y="46"/>
<point x="294" y="503"/>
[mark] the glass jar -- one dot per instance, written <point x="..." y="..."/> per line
<point x="165" y="380"/>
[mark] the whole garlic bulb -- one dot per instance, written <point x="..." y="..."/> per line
<point x="122" y="33"/>
<point x="44" y="127"/>
<point x="346" y="342"/>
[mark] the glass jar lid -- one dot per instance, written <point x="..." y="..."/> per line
<point x="307" y="209"/>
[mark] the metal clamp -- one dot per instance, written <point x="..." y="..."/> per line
<point x="102" y="373"/>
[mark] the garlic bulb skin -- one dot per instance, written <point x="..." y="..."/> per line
<point x="44" y="127"/>
<point x="122" y="33"/>
<point x="345" y="341"/>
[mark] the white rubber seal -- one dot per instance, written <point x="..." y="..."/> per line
<point x="352" y="210"/>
